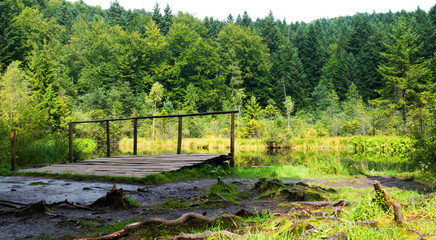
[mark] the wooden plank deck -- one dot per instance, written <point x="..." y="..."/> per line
<point x="134" y="166"/>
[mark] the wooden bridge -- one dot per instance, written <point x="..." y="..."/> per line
<point x="137" y="165"/>
<point x="134" y="166"/>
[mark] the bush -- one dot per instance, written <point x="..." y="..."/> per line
<point x="85" y="145"/>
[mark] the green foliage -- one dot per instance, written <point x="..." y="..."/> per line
<point x="407" y="79"/>
<point x="41" y="152"/>
<point x="81" y="62"/>
<point x="84" y="145"/>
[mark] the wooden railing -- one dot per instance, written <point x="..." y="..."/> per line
<point x="135" y="131"/>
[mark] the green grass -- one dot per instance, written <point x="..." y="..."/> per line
<point x="112" y="227"/>
<point x="38" y="183"/>
<point x="174" y="204"/>
<point x="132" y="202"/>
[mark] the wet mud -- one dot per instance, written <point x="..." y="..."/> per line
<point x="64" y="220"/>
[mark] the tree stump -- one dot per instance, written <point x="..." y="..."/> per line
<point x="382" y="197"/>
<point x="114" y="199"/>
<point x="397" y="212"/>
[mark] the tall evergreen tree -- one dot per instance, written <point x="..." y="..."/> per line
<point x="167" y="20"/>
<point x="312" y="58"/>
<point x="406" y="77"/>
<point x="156" y="15"/>
<point x="115" y="14"/>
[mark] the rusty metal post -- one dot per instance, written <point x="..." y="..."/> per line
<point x="70" y="142"/>
<point x="108" y="140"/>
<point x="232" y="140"/>
<point x="13" y="158"/>
<point x="179" y="137"/>
<point x="135" y="136"/>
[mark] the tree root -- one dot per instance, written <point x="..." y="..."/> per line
<point x="10" y="204"/>
<point x="37" y="207"/>
<point x="207" y="234"/>
<point x="420" y="198"/>
<point x="71" y="204"/>
<point x="130" y="228"/>
<point x="421" y="235"/>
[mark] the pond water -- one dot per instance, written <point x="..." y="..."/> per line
<point x="344" y="160"/>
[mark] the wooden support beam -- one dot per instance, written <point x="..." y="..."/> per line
<point x="13" y="156"/>
<point x="70" y="142"/>
<point x="179" y="137"/>
<point x="108" y="140"/>
<point x="232" y="140"/>
<point x="135" y="136"/>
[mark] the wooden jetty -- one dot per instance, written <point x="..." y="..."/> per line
<point x="134" y="166"/>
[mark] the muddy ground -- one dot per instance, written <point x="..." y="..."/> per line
<point x="68" y="220"/>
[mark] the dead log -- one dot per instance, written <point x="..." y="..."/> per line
<point x="397" y="212"/>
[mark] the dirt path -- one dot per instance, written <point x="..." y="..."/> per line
<point x="69" y="220"/>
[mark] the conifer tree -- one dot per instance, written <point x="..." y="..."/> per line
<point x="407" y="79"/>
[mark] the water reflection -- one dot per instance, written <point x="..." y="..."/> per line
<point x="337" y="161"/>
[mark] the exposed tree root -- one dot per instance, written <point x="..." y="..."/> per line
<point x="71" y="204"/>
<point x="12" y="204"/>
<point x="420" y="198"/>
<point x="130" y="228"/>
<point x="320" y="204"/>
<point x="421" y="235"/>
<point x="207" y="234"/>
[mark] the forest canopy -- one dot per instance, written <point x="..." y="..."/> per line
<point x="362" y="74"/>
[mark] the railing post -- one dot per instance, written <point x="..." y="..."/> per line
<point x="135" y="136"/>
<point x="13" y="157"/>
<point x="232" y="140"/>
<point x="179" y="137"/>
<point x="108" y="140"/>
<point x="70" y="142"/>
